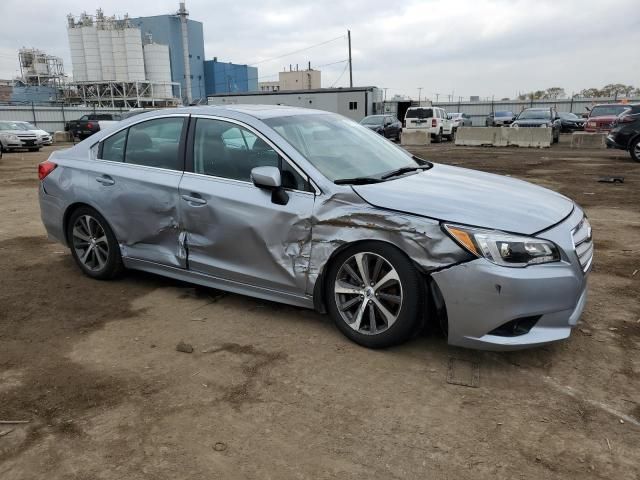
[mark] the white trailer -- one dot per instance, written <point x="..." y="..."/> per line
<point x="355" y="103"/>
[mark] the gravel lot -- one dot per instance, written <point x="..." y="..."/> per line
<point x="276" y="392"/>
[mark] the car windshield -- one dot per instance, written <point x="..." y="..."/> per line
<point x="372" y="120"/>
<point x="504" y="114"/>
<point x="419" y="113"/>
<point x="568" y="116"/>
<point x="7" y="126"/>
<point x="608" y="110"/>
<point x="340" y="148"/>
<point x="535" y="114"/>
<point x="27" y="126"/>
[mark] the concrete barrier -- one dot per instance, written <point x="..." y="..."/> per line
<point x="479" y="136"/>
<point x="415" y="137"/>
<point x="504" y="137"/>
<point x="61" y="137"/>
<point x="588" y="140"/>
<point x="535" y="137"/>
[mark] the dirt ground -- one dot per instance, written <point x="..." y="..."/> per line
<point x="276" y="392"/>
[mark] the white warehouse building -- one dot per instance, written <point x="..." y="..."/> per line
<point x="355" y="103"/>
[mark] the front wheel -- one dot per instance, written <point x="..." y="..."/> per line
<point x="374" y="294"/>
<point x="634" y="150"/>
<point x="93" y="245"/>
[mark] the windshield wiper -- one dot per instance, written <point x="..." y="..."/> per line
<point x="403" y="170"/>
<point x="357" y="181"/>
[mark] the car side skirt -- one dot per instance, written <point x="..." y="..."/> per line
<point x="305" y="301"/>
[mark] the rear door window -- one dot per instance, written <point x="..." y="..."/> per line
<point x="113" y="147"/>
<point x="156" y="143"/>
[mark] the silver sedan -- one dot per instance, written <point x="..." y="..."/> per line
<point x="311" y="209"/>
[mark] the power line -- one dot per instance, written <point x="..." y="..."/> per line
<point x="296" y="51"/>
<point x="346" y="65"/>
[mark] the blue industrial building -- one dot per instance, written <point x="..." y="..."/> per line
<point x="227" y="77"/>
<point x="165" y="29"/>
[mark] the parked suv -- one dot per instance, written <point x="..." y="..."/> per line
<point x="499" y="119"/>
<point x="14" y="136"/>
<point x="625" y="133"/>
<point x="433" y="119"/>
<point x="539" y="117"/>
<point x="460" y="120"/>
<point x="601" y="117"/>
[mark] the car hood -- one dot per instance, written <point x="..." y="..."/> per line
<point x="470" y="197"/>
<point x="531" y="121"/>
<point x="603" y="117"/>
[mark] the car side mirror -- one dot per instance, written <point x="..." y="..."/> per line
<point x="269" y="178"/>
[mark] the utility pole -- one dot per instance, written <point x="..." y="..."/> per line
<point x="350" y="64"/>
<point x="385" y="93"/>
<point x="419" y="94"/>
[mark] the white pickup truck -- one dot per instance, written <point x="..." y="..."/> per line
<point x="433" y="119"/>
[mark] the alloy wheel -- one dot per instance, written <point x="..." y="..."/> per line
<point x="90" y="243"/>
<point x="368" y="293"/>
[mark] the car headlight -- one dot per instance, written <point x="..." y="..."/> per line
<point x="504" y="248"/>
<point x="11" y="137"/>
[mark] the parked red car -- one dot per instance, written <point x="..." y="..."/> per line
<point x="601" y="117"/>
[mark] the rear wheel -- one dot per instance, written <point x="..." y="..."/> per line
<point x="374" y="294"/>
<point x="438" y="137"/>
<point x="93" y="245"/>
<point x="634" y="150"/>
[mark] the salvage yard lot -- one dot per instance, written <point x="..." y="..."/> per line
<point x="272" y="391"/>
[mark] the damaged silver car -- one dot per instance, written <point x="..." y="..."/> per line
<point x="311" y="209"/>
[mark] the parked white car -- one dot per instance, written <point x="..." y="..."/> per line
<point x="46" y="137"/>
<point x="14" y="136"/>
<point x="433" y="119"/>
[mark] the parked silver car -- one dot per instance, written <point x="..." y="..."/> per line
<point x="45" y="137"/>
<point x="460" y="119"/>
<point x="14" y="136"/>
<point x="309" y="208"/>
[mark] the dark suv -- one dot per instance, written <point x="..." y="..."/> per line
<point x="625" y="133"/>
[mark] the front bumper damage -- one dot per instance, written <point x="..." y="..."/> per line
<point x="481" y="298"/>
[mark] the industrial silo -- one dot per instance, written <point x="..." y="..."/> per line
<point x="91" y="52"/>
<point x="119" y="55"/>
<point x="77" y="51"/>
<point x="158" y="68"/>
<point x="133" y="50"/>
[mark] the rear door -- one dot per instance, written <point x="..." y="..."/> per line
<point x="235" y="231"/>
<point x="134" y="183"/>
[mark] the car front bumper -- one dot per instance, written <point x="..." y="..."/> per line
<point x="480" y="297"/>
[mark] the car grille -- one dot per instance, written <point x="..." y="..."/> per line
<point x="583" y="243"/>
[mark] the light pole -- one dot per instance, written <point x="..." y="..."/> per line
<point x="419" y="94"/>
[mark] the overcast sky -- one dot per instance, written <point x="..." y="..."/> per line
<point x="459" y="47"/>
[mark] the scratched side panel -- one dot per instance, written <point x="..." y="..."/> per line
<point x="142" y="209"/>
<point x="344" y="218"/>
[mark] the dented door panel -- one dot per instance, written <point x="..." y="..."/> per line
<point x="239" y="234"/>
<point x="141" y="205"/>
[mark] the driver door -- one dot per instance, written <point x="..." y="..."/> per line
<point x="234" y="230"/>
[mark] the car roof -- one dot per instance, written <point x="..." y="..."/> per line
<point x="258" y="111"/>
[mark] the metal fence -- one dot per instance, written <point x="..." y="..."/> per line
<point x="479" y="110"/>
<point x="49" y="118"/>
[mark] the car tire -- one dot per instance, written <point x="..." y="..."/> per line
<point x="556" y="137"/>
<point x="34" y="149"/>
<point x="398" y="136"/>
<point x="634" y="149"/>
<point x="379" y="315"/>
<point x="452" y="137"/>
<point x="93" y="245"/>
<point x="438" y="137"/>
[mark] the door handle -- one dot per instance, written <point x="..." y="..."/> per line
<point x="105" y="180"/>
<point x="194" y="200"/>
